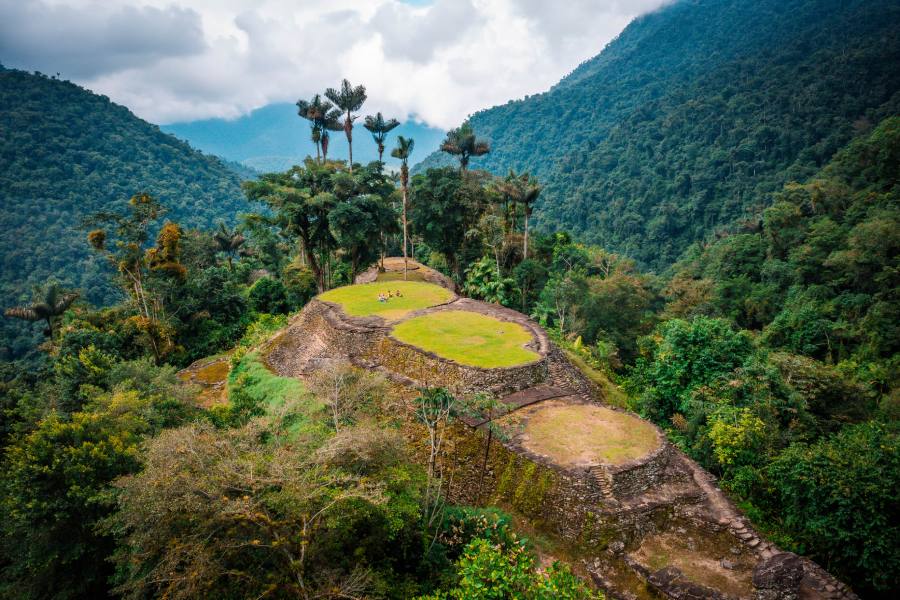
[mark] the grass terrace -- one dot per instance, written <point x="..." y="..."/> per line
<point x="362" y="300"/>
<point x="468" y="338"/>
<point x="582" y="434"/>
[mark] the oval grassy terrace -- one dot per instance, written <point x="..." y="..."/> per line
<point x="578" y="435"/>
<point x="363" y="300"/>
<point x="468" y="338"/>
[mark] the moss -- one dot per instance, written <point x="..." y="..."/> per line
<point x="596" y="535"/>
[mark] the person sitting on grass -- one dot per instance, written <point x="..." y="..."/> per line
<point x="381" y="298"/>
<point x="398" y="294"/>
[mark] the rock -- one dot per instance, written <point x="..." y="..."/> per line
<point x="617" y="547"/>
<point x="727" y="564"/>
<point x="735" y="551"/>
<point x="672" y="583"/>
<point x="778" y="578"/>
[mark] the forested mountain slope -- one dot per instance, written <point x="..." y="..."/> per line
<point x="66" y="153"/>
<point x="695" y="114"/>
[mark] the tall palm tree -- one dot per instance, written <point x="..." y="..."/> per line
<point x="402" y="151"/>
<point x="315" y="111"/>
<point x="49" y="301"/>
<point x="462" y="142"/>
<point x="329" y="121"/>
<point x="522" y="189"/>
<point x="379" y="129"/>
<point x="348" y="99"/>
<point x="229" y="242"/>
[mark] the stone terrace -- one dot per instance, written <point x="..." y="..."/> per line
<point x="655" y="525"/>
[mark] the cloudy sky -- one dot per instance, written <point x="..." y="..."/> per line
<point x="432" y="60"/>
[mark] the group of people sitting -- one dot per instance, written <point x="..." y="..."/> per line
<point x="384" y="298"/>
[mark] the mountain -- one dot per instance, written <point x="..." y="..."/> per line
<point x="695" y="115"/>
<point x="66" y="153"/>
<point x="273" y="138"/>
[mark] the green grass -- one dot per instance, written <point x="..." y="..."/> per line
<point x="281" y="397"/>
<point x="468" y="338"/>
<point x="362" y="300"/>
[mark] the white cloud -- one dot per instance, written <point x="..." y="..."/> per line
<point x="177" y="60"/>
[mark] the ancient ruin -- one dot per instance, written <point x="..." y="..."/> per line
<point x="646" y="521"/>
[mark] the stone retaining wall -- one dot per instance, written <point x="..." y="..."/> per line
<point x="431" y="370"/>
<point x="637" y="476"/>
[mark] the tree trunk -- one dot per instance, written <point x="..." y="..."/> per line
<point x="348" y="129"/>
<point x="525" y="248"/>
<point x="405" y="182"/>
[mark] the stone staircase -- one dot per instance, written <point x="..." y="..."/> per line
<point x="601" y="478"/>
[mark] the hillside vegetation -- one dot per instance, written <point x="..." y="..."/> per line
<point x="66" y="153"/>
<point x="694" y="115"/>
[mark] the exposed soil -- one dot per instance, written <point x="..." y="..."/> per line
<point x="704" y="558"/>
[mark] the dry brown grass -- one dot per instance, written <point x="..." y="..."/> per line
<point x="583" y="434"/>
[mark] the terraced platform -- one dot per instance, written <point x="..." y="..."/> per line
<point x="653" y="523"/>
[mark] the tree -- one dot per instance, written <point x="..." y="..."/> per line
<point x="314" y="111"/>
<point x="402" y="151"/>
<point x="838" y="497"/>
<point x="521" y="189"/>
<point x="345" y="389"/>
<point x="238" y="517"/>
<point x="461" y="142"/>
<point x="146" y="275"/>
<point x="48" y="302"/>
<point x="348" y="99"/>
<point x="229" y="242"/>
<point x="681" y="356"/>
<point x="434" y="408"/>
<point x="303" y="199"/>
<point x="358" y="225"/>
<point x="379" y="129"/>
<point x="445" y="206"/>
<point x="489" y="571"/>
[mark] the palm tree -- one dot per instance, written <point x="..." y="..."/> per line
<point x="315" y="111"/>
<point x="522" y="189"/>
<point x="49" y="301"/>
<point x="379" y="129"/>
<point x="229" y="242"/>
<point x="462" y="142"/>
<point x="402" y="151"/>
<point x="329" y="121"/>
<point x="348" y="99"/>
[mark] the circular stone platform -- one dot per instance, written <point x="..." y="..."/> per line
<point x="581" y="435"/>
<point x="362" y="300"/>
<point x="468" y="338"/>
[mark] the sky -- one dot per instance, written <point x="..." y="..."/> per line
<point x="433" y="61"/>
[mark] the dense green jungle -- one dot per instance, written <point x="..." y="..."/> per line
<point x="705" y="218"/>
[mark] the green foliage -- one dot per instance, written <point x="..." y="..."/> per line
<point x="682" y="356"/>
<point x="820" y="276"/>
<point x="57" y="476"/>
<point x="328" y="209"/>
<point x="445" y="205"/>
<point x="838" y="497"/>
<point x="693" y="115"/>
<point x="483" y="282"/>
<point x="268" y="295"/>
<point x="503" y="571"/>
<point x="64" y="164"/>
